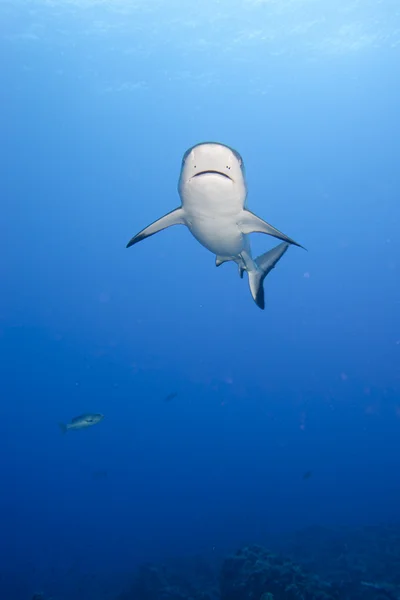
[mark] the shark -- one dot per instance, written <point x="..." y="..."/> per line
<point x="213" y="192"/>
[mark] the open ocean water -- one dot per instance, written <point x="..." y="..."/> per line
<point x="239" y="453"/>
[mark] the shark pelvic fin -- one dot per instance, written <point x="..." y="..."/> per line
<point x="219" y="260"/>
<point x="265" y="263"/>
<point x="175" y="217"/>
<point x="250" y="223"/>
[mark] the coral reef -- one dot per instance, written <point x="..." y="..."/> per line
<point x="366" y="559"/>
<point x="315" y="564"/>
<point x="254" y="572"/>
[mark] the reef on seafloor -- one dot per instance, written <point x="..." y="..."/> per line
<point x="254" y="572"/>
<point x="317" y="563"/>
<point x="322" y="565"/>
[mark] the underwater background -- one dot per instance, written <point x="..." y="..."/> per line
<point x="224" y="426"/>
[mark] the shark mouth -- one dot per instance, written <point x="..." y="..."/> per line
<point x="212" y="173"/>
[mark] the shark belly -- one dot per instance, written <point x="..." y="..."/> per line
<point x="221" y="236"/>
<point x="212" y="207"/>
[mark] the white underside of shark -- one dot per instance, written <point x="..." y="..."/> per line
<point x="213" y="207"/>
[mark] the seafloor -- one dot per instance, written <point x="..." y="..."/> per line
<point x="313" y="564"/>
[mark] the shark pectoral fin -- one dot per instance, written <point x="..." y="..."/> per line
<point x="250" y="223"/>
<point x="265" y="263"/>
<point x="175" y="217"/>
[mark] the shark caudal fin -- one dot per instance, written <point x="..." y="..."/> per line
<point x="63" y="428"/>
<point x="265" y="263"/>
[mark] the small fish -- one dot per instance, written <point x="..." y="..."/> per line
<point x="307" y="475"/>
<point x="82" y="422"/>
<point x="171" y="396"/>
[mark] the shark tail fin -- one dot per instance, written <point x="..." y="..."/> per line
<point x="63" y="428"/>
<point x="265" y="263"/>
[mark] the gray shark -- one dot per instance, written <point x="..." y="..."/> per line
<point x="213" y="191"/>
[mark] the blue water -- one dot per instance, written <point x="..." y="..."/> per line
<point x="99" y="101"/>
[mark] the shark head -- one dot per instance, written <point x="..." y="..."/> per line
<point x="213" y="164"/>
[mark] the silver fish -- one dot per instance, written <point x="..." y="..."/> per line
<point x="81" y="422"/>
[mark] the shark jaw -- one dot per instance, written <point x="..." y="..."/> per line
<point x="210" y="172"/>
